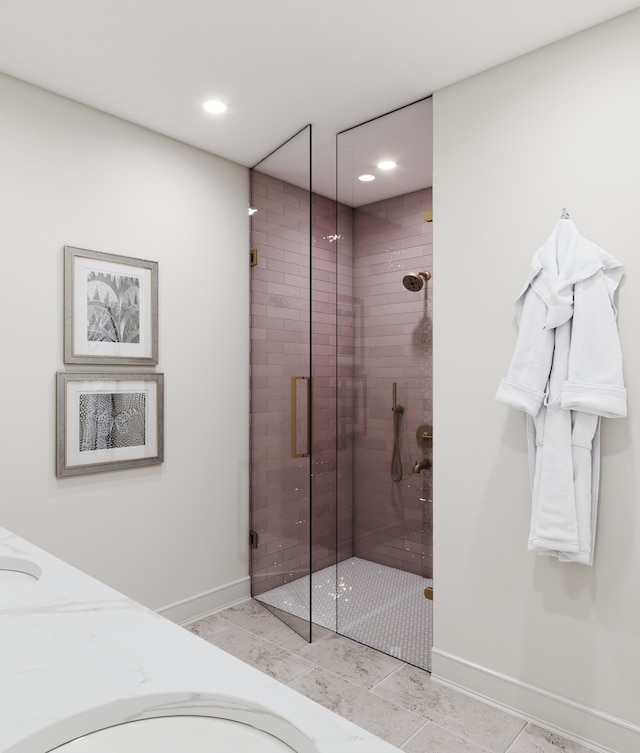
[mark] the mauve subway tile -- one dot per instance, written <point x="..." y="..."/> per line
<point x="268" y="440"/>
<point x="324" y="325"/>
<point x="287" y="200"/>
<point x="384" y="310"/>
<point x="303" y="193"/>
<point x="260" y="178"/>
<point x="327" y="278"/>
<point x="278" y="249"/>
<point x="287" y="262"/>
<point x="297" y="348"/>
<point x="258" y="188"/>
<point x="258" y="382"/>
<point x="268" y="228"/>
<point x="408" y="214"/>
<point x="257" y="360"/>
<point x="285" y="302"/>
<point x="270" y="205"/>
<point x="257" y="285"/>
<point x="258" y="333"/>
<point x="278" y="405"/>
<point x="324" y="298"/>
<point x="391" y="235"/>
<point x="299" y="236"/>
<point x="421" y="194"/>
<point x="279" y="450"/>
<point x="280" y="312"/>
<point x="415" y="240"/>
<point x="320" y="308"/>
<point x="282" y="335"/>
<point x="384" y="205"/>
<point x="289" y="221"/>
<point x="264" y="346"/>
<point x="268" y="322"/>
<point x="258" y="310"/>
<point x="268" y="418"/>
<point x="296" y="281"/>
<point x="325" y="201"/>
<point x="297" y="325"/>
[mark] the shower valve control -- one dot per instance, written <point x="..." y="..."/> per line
<point x="424" y="436"/>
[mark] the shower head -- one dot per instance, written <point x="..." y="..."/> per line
<point x="415" y="280"/>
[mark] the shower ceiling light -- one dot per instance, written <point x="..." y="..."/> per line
<point x="214" y="106"/>
<point x="386" y="164"/>
<point x="366" y="178"/>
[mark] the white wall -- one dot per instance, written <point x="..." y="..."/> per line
<point x="71" y="175"/>
<point x="513" y="146"/>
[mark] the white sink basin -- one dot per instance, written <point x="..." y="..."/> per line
<point x="17" y="576"/>
<point x="196" y="734"/>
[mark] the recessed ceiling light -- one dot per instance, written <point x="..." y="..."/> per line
<point x="386" y="164"/>
<point x="214" y="106"/>
<point x="366" y="178"/>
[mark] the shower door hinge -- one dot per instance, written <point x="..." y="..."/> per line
<point x="253" y="539"/>
<point x="428" y="593"/>
<point x="253" y="257"/>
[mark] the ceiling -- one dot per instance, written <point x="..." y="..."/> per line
<point x="278" y="64"/>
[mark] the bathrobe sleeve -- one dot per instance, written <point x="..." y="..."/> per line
<point x="595" y="380"/>
<point x="525" y="385"/>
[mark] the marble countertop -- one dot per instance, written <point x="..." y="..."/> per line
<point x="77" y="656"/>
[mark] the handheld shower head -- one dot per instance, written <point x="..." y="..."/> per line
<point x="415" y="280"/>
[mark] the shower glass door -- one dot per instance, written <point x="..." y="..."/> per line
<point x="385" y="410"/>
<point x="282" y="386"/>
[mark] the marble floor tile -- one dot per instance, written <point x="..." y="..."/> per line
<point x="297" y="643"/>
<point x="435" y="739"/>
<point x="394" y="700"/>
<point x="255" y="618"/>
<point x="477" y="722"/>
<point x="208" y="626"/>
<point x="537" y="740"/>
<point x="384" y="719"/>
<point x="352" y="661"/>
<point x="263" y="655"/>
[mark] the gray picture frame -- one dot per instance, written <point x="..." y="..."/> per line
<point x="108" y="422"/>
<point x="110" y="309"/>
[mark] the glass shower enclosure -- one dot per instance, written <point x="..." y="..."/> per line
<point x="341" y="368"/>
<point x="281" y="384"/>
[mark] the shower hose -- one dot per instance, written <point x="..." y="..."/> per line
<point x="396" y="460"/>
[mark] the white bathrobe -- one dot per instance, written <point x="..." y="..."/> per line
<point x="566" y="372"/>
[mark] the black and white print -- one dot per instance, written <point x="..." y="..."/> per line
<point x="113" y="308"/>
<point x="111" y="420"/>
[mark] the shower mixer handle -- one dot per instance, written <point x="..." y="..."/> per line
<point x="424" y="436"/>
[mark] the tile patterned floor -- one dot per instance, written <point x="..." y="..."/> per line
<point x="392" y="699"/>
<point x="379" y="606"/>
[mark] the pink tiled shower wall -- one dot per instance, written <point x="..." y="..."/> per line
<point x="393" y="522"/>
<point x="281" y="347"/>
<point x="368" y="331"/>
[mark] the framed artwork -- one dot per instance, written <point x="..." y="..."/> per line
<point x="110" y="309"/>
<point x="108" y="421"/>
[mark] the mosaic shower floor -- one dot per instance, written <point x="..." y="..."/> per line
<point x="370" y="603"/>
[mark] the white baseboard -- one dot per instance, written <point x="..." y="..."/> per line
<point x="603" y="732"/>
<point x="203" y="604"/>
